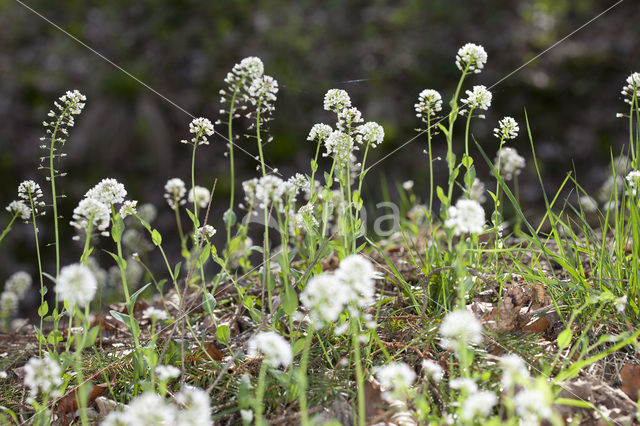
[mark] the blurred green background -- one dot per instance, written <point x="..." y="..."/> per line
<point x="383" y="52"/>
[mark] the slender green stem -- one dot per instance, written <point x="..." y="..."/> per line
<point x="302" y="379"/>
<point x="466" y="134"/>
<point x="259" y="403"/>
<point x="358" y="367"/>
<point x="231" y="161"/>
<point x="8" y="228"/>
<point x="430" y="153"/>
<point x="39" y="259"/>
<point x="183" y="240"/>
<point x="193" y="184"/>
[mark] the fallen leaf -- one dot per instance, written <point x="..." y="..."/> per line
<point x="538" y="326"/>
<point x="630" y="378"/>
<point x="68" y="404"/>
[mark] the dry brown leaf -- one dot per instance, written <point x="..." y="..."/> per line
<point x="538" y="326"/>
<point x="630" y="378"/>
<point x="68" y="405"/>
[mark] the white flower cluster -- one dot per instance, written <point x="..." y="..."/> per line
<point x="339" y="145"/>
<point x="91" y="215"/>
<point x="108" y="191"/>
<point x="467" y="216"/>
<point x="19" y="283"/>
<point x="166" y="372"/>
<point x="68" y="105"/>
<point x="201" y="128"/>
<point x="319" y="132"/>
<point x="476" y="192"/>
<point x="511" y="163"/>
<point x="433" y="370"/>
<point x="507" y="129"/>
<point x="633" y="179"/>
<point x="273" y="347"/>
<point x="306" y="214"/>
<point x="471" y="57"/>
<point x="174" y="192"/>
<point x="632" y="89"/>
<point x="460" y="327"/>
<point x="478" y="404"/>
<point x="514" y="371"/>
<point x="477" y="98"/>
<point x="193" y="407"/>
<point x="269" y="190"/>
<point x="429" y="103"/>
<point x="76" y="285"/>
<point x="203" y="234"/>
<point x="19" y="209"/>
<point x="201" y="194"/>
<point x="336" y="100"/>
<point x="43" y="375"/>
<point x="348" y="118"/>
<point x="352" y="285"/>
<point x="30" y="192"/>
<point x="263" y="93"/>
<point x="243" y="73"/>
<point x="370" y="132"/>
<point x="395" y="378"/>
<point x="155" y="314"/>
<point x="8" y="305"/>
<point x="128" y="208"/>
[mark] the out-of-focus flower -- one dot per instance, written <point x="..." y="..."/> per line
<point x="174" y="191"/>
<point x="42" y="375"/>
<point x="166" y="372"/>
<point x="511" y="163"/>
<point x="273" y="347"/>
<point x="202" y="196"/>
<point x="76" y="285"/>
<point x="91" y="215"/>
<point x="478" y="404"/>
<point x="460" y="327"/>
<point x="476" y="192"/>
<point x="19" y="283"/>
<point x="467" y="216"/>
<point x="433" y="370"/>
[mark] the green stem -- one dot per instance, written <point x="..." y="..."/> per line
<point x="8" y="228"/>
<point x="38" y="257"/>
<point x="302" y="379"/>
<point x="258" y="403"/>
<point x="430" y="163"/>
<point x="231" y="161"/>
<point x="359" y="374"/>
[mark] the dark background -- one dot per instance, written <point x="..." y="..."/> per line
<point x="393" y="48"/>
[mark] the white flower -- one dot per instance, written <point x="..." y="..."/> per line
<point x="150" y="409"/>
<point x="395" y="375"/>
<point x="589" y="204"/>
<point x="155" y="314"/>
<point x="336" y="99"/>
<point x="108" y="191"/>
<point x="174" y="192"/>
<point x="201" y="128"/>
<point x="514" y="369"/>
<point x="632" y="88"/>
<point x="466" y="384"/>
<point x="478" y="404"/>
<point x="269" y="190"/>
<point x="273" y="347"/>
<point x="532" y="404"/>
<point x="358" y="273"/>
<point x="8" y="303"/>
<point x="73" y="101"/>
<point x="621" y="304"/>
<point x="42" y="375"/>
<point x="339" y="145"/>
<point x="432" y="370"/>
<point x="472" y="57"/>
<point x="3" y="375"/>
<point x="633" y="178"/>
<point x="147" y="212"/>
<point x="263" y="92"/>
<point x="319" y="132"/>
<point x="507" y="129"/>
<point x="57" y="128"/>
<point x="511" y="163"/>
<point x="115" y="418"/>
<point x="91" y="214"/>
<point x="19" y="283"/>
<point x="166" y="372"/>
<point x="460" y="328"/>
<point x="348" y="118"/>
<point x="429" y="103"/>
<point x="245" y="72"/>
<point x="478" y="98"/>
<point x="202" y="196"/>
<point x="476" y="192"/>
<point x="370" y="132"/>
<point x="247" y="415"/>
<point x="30" y="192"/>
<point x="305" y="213"/>
<point x="128" y="208"/>
<point x="76" y="285"/>
<point x="467" y="216"/>
<point x="204" y="233"/>
<point x="20" y="209"/>
<point x="325" y="296"/>
<point x="196" y="407"/>
<point x="407" y="185"/>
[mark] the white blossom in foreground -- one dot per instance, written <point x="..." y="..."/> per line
<point x="202" y="196"/>
<point x="532" y="405"/>
<point x="325" y="296"/>
<point x="273" y="347"/>
<point x="476" y="192"/>
<point x="478" y="404"/>
<point x="429" y="103"/>
<point x="108" y="191"/>
<point x="395" y="376"/>
<point x="336" y="99"/>
<point x="42" y="375"/>
<point x="370" y="132"/>
<point x="166" y="372"/>
<point x="514" y="370"/>
<point x="407" y="185"/>
<point x="91" y="215"/>
<point x="465" y="384"/>
<point x="195" y="407"/>
<point x="128" y="208"/>
<point x="244" y="72"/>
<point x="174" y="192"/>
<point x="20" y="209"/>
<point x="319" y="132"/>
<point x="19" y="283"/>
<point x="460" y="327"/>
<point x="150" y="409"/>
<point x="30" y="192"/>
<point x="201" y="128"/>
<point x="472" y="57"/>
<point x="76" y="285"/>
<point x="358" y="273"/>
<point x="433" y="370"/>
<point x="632" y="88"/>
<point x="478" y="98"/>
<point x="620" y="304"/>
<point x="467" y="216"/>
<point x="511" y="163"/>
<point x="507" y="129"/>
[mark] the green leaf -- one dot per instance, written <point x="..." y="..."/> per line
<point x="43" y="309"/>
<point x="229" y="218"/>
<point x="290" y="301"/>
<point x="443" y="198"/>
<point x="117" y="228"/>
<point x="223" y="333"/>
<point x="208" y="302"/>
<point x="443" y="129"/>
<point x="156" y="237"/>
<point x="176" y="270"/>
<point x="92" y="336"/>
<point x="564" y="338"/>
<point x="135" y="295"/>
<point x="204" y="255"/>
